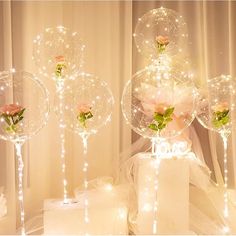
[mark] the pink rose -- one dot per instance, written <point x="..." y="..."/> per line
<point x="223" y="106"/>
<point x="60" y="58"/>
<point x="11" y="109"/>
<point x="162" y="40"/>
<point x="161" y="108"/>
<point x="84" y="108"/>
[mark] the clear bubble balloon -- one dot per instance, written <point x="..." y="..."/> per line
<point x="87" y="104"/>
<point x="58" y="53"/>
<point x="161" y="31"/>
<point x="159" y="103"/>
<point x="24" y="105"/>
<point x="216" y="107"/>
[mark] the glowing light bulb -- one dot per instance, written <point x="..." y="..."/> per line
<point x="226" y="229"/>
<point x="108" y="187"/>
<point x="122" y="213"/>
<point x="147" y="207"/>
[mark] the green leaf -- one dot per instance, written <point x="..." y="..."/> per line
<point x="217" y="123"/>
<point x="11" y="129"/>
<point x="220" y="118"/>
<point x="168" y="119"/>
<point x="158" y="117"/>
<point x="161" y="126"/>
<point x="88" y="115"/>
<point x="19" y="119"/>
<point x="225" y="120"/>
<point x="6" y="118"/>
<point x="153" y="127"/>
<point x="21" y="112"/>
<point x="169" y="112"/>
<point x="81" y="117"/>
<point x="225" y="113"/>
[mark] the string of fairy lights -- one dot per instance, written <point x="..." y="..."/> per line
<point x="155" y="206"/>
<point x="60" y="86"/>
<point x="20" y="186"/>
<point x="85" y="170"/>
<point x="226" y="207"/>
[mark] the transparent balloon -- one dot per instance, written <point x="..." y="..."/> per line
<point x="24" y="105"/>
<point x="216" y="111"/>
<point x="24" y="108"/>
<point x="159" y="103"/>
<point x="87" y="104"/>
<point x="161" y="31"/>
<point x="216" y="106"/>
<point x="58" y="53"/>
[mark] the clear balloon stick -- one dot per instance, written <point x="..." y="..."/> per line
<point x="60" y="86"/>
<point x="224" y="137"/>
<point x="85" y="170"/>
<point x="18" y="147"/>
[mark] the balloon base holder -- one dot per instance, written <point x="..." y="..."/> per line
<point x="173" y="194"/>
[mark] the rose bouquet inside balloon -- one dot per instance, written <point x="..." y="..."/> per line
<point x="158" y="108"/>
<point x="167" y="108"/>
<point x="160" y="30"/>
<point x="84" y="113"/>
<point x="58" y="53"/>
<point x="12" y="115"/>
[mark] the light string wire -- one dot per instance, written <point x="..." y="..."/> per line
<point x="224" y="137"/>
<point x="18" y="147"/>
<point x="85" y="171"/>
<point x="60" y="86"/>
<point x="163" y="67"/>
<point x="156" y="176"/>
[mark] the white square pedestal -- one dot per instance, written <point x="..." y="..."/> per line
<point x="172" y="195"/>
<point x="67" y="219"/>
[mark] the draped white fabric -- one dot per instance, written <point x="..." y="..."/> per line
<point x="106" y="28"/>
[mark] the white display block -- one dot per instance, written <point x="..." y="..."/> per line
<point x="67" y="219"/>
<point x="172" y="195"/>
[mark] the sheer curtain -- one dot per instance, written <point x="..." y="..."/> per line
<point x="211" y="45"/>
<point x="7" y="162"/>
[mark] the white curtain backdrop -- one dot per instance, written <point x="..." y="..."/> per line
<point x="106" y="28"/>
<point x="7" y="162"/>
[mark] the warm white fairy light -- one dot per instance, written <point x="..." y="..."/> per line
<point x="224" y="137"/>
<point x="63" y="165"/>
<point x="156" y="166"/>
<point x="122" y="213"/>
<point x="85" y="170"/>
<point x="60" y="86"/>
<point x="226" y="207"/>
<point x="108" y="187"/>
<point x="20" y="186"/>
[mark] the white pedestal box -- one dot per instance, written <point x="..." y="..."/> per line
<point x="107" y="215"/>
<point x="172" y="196"/>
